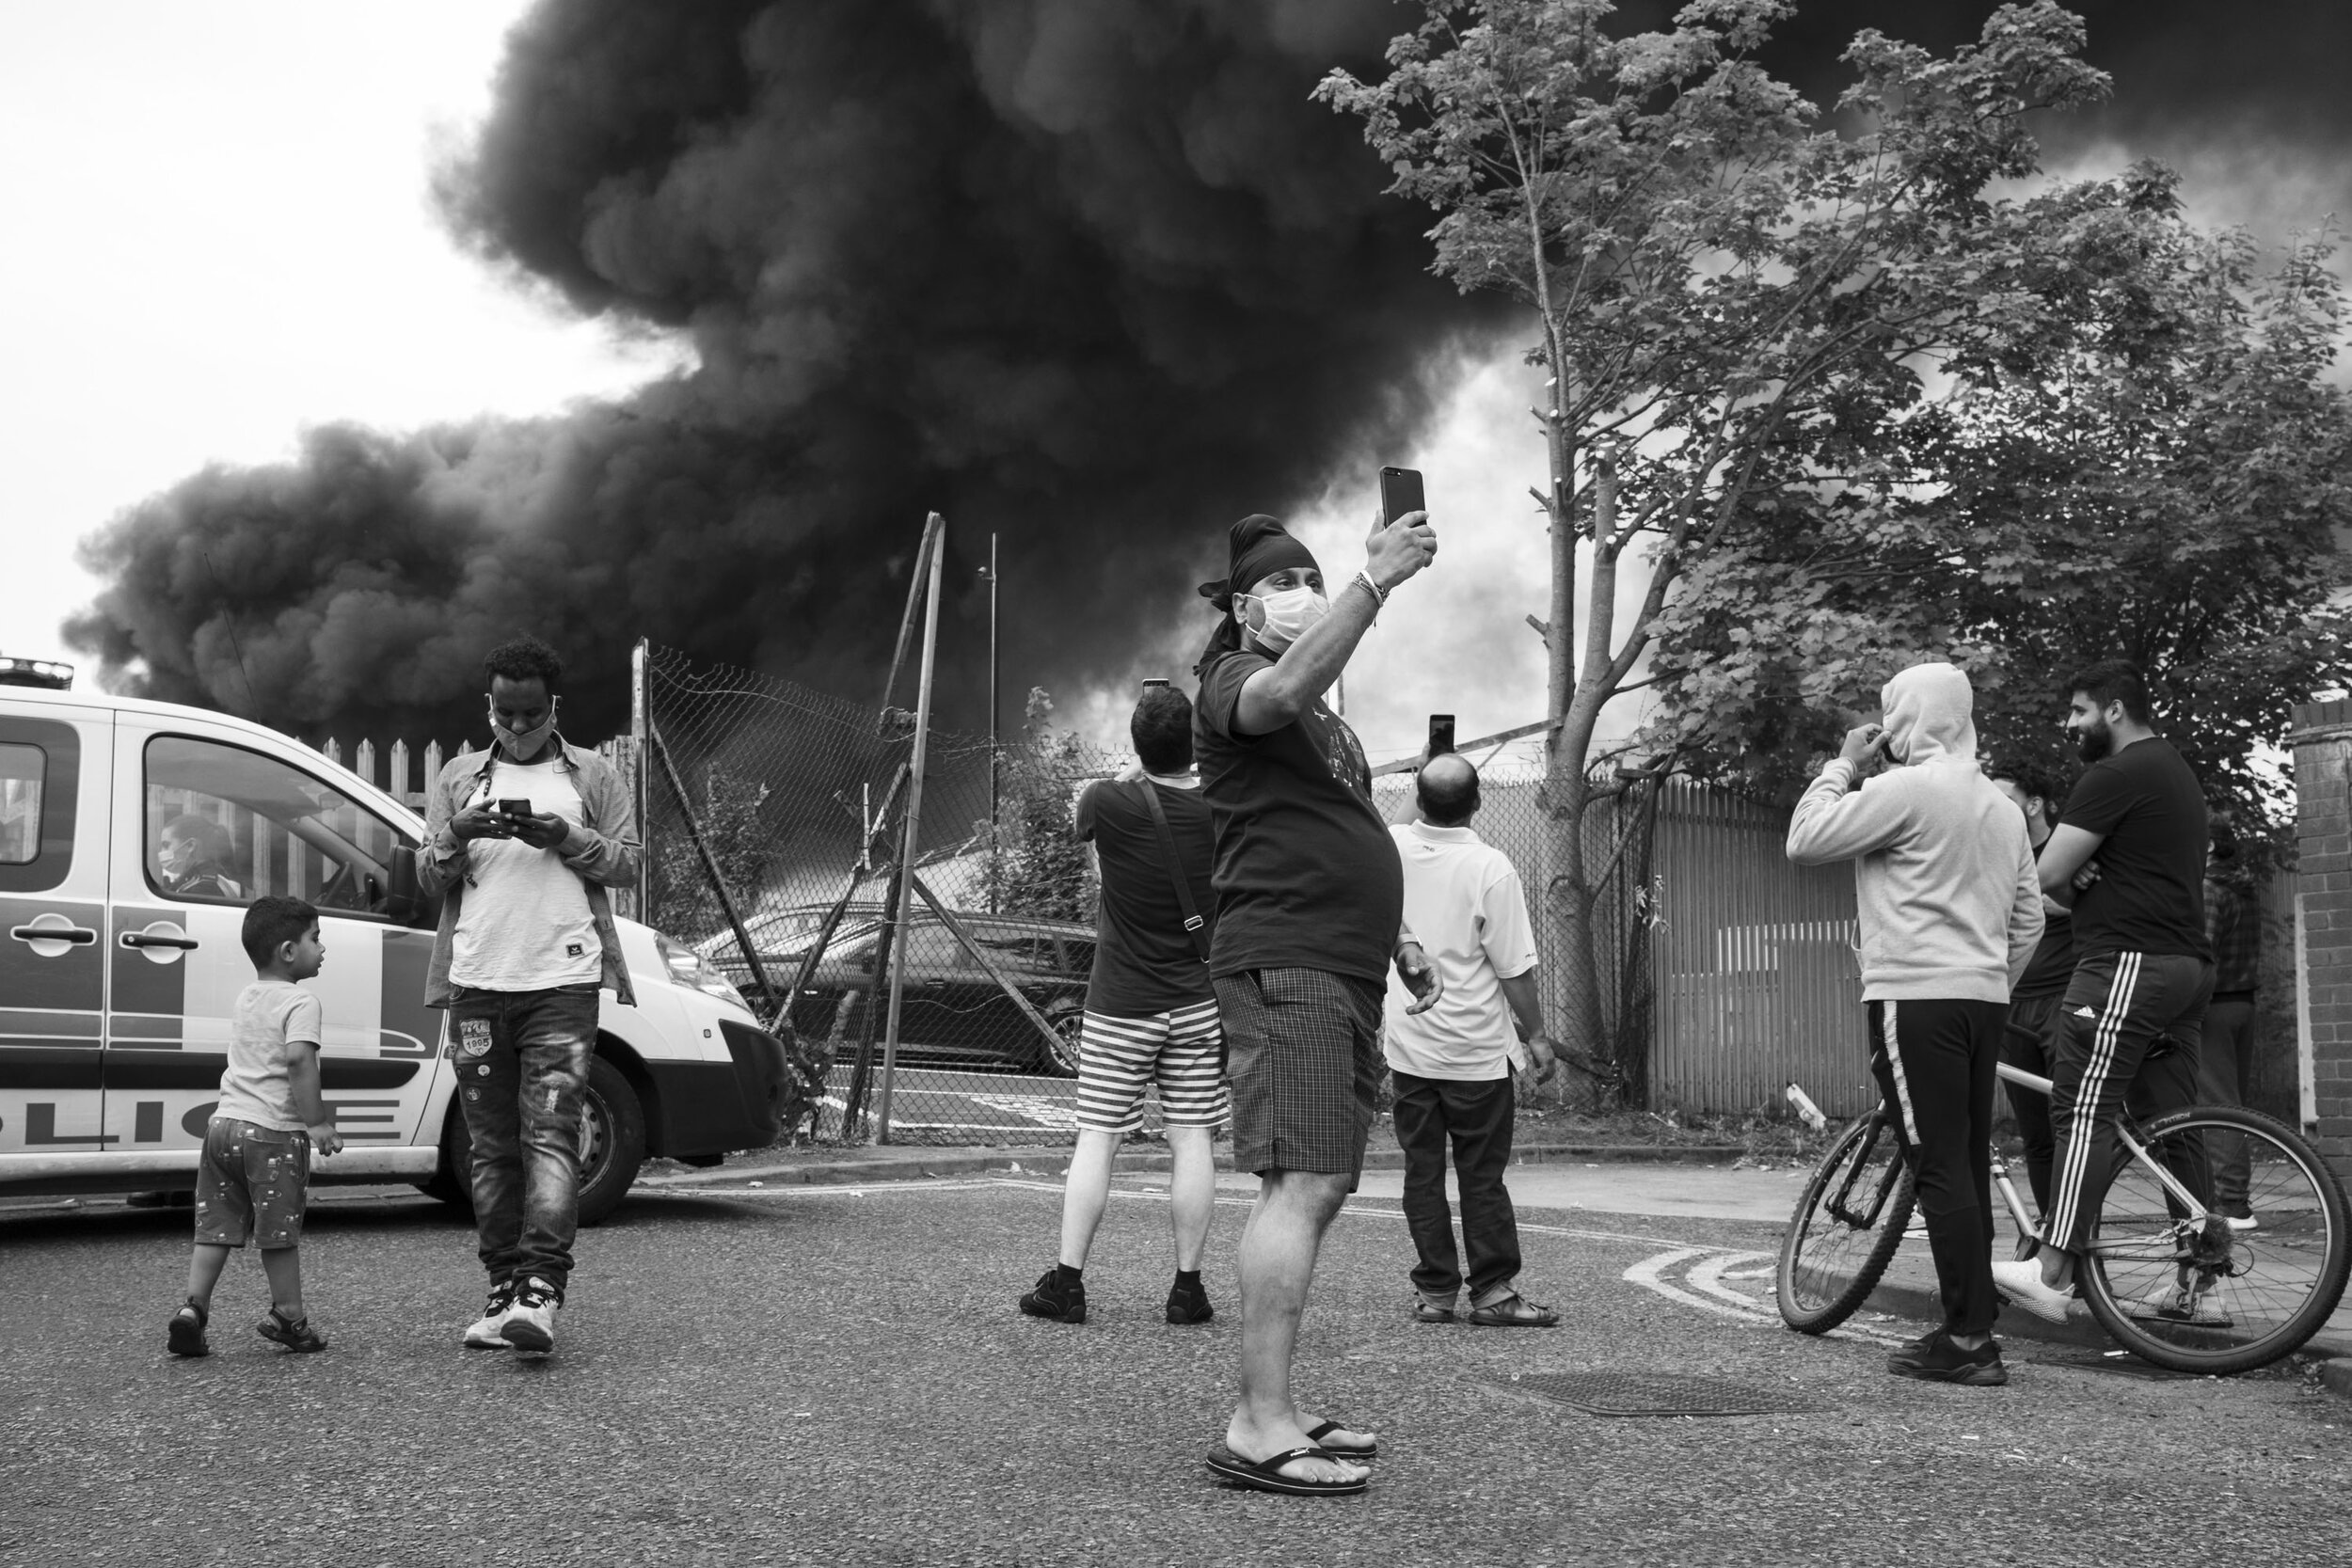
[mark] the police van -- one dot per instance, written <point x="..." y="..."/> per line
<point x="116" y="990"/>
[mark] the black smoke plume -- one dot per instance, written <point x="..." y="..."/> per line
<point x="1093" y="273"/>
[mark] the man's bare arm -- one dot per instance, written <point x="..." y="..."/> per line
<point x="2069" y="850"/>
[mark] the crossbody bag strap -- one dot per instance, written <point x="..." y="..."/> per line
<point x="1192" y="923"/>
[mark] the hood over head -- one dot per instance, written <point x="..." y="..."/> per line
<point x="1928" y="711"/>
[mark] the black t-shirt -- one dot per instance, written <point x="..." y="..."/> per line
<point x="1307" y="875"/>
<point x="1144" y="960"/>
<point x="2149" y="897"/>
<point x="2053" y="963"/>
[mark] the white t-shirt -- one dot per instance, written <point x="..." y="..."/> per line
<point x="524" y="924"/>
<point x="1464" y="904"/>
<point x="273" y="1022"/>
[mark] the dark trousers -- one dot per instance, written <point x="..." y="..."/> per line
<point x="2128" y="1040"/>
<point x="1933" y="1061"/>
<point x="522" y="1060"/>
<point x="2225" y="1072"/>
<point x="2031" y="1107"/>
<point x="1475" y="1118"/>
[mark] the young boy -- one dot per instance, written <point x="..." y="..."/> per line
<point x="256" y="1171"/>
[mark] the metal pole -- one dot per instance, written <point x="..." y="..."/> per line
<point x="640" y="727"/>
<point x="995" y="870"/>
<point x="935" y="532"/>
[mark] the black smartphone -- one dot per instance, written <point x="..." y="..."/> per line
<point x="1399" y="493"/>
<point x="1441" y="734"/>
<point x="1151" y="681"/>
<point x="514" y="808"/>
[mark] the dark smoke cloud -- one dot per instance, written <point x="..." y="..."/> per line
<point x="1091" y="273"/>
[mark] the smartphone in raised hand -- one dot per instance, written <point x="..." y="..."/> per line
<point x="1400" y="494"/>
<point x="1441" y="734"/>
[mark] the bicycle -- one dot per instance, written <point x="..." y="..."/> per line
<point x="2165" y="1276"/>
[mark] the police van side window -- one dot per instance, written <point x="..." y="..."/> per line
<point x="226" y="825"/>
<point x="19" y="803"/>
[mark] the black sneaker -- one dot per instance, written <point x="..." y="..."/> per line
<point x="1936" y="1359"/>
<point x="1064" y="1303"/>
<point x="1189" y="1305"/>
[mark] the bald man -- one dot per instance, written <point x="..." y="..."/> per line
<point x="1452" y="1063"/>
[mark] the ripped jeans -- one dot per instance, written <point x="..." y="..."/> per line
<point x="521" y="1059"/>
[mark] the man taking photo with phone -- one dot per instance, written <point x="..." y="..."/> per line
<point x="1309" y="920"/>
<point x="521" y="840"/>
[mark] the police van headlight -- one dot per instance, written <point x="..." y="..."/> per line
<point x="687" y="968"/>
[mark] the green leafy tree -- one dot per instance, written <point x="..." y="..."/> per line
<point x="1035" y="865"/>
<point x="2165" y="488"/>
<point x="728" y="815"/>
<point x="1729" y="299"/>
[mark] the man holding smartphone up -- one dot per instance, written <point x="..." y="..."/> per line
<point x="1309" y="910"/>
<point x="521" y="840"/>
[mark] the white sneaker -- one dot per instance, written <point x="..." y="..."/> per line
<point x="531" y="1326"/>
<point x="2243" y="1223"/>
<point x="2021" y="1281"/>
<point x="484" y="1332"/>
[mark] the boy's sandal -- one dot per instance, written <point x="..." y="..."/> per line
<point x="185" y="1337"/>
<point x="1317" y="1434"/>
<point x="302" y="1336"/>
<point x="1424" y="1312"/>
<point x="1266" y="1475"/>
<point x="1513" y="1311"/>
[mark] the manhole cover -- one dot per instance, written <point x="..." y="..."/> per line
<point x="1659" y="1394"/>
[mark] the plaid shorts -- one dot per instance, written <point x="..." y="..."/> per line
<point x="1180" y="1051"/>
<point x="252" y="1183"/>
<point x="1303" y="1054"/>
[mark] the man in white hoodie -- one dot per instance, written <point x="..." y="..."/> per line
<point x="1952" y="910"/>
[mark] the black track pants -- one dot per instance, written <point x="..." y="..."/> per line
<point x="1934" y="1061"/>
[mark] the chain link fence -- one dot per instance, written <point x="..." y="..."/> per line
<point x="800" y="800"/>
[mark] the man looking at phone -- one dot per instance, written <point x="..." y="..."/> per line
<point x="1309" y="920"/>
<point x="1950" y="913"/>
<point x="521" y="840"/>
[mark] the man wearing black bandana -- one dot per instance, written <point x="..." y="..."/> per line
<point x="526" y="942"/>
<point x="1309" y="911"/>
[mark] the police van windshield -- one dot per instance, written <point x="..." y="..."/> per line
<point x="227" y="825"/>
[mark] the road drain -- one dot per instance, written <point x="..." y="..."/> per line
<point x="1659" y="1394"/>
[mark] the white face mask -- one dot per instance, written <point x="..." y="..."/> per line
<point x="1288" y="614"/>
<point x="522" y="742"/>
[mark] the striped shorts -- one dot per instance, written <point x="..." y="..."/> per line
<point x="1183" y="1052"/>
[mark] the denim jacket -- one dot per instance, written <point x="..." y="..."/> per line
<point x="603" y="851"/>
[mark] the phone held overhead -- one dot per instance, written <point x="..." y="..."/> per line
<point x="1400" y="494"/>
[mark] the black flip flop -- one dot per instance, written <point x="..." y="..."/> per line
<point x="1316" y="1434"/>
<point x="1266" y="1475"/>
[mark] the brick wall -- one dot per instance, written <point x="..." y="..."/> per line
<point x="2323" y="772"/>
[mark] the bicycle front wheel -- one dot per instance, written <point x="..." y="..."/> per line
<point x="1848" y="1224"/>
<point x="2200" y="1298"/>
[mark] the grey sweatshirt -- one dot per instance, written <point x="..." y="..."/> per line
<point x="1944" y="872"/>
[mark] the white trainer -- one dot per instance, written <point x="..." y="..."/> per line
<point x="2020" y="1279"/>
<point x="2243" y="1223"/>
<point x="530" y="1325"/>
<point x="486" y="1332"/>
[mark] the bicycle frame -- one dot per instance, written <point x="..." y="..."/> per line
<point x="2197" y="1214"/>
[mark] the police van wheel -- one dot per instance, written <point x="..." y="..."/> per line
<point x="612" y="1140"/>
<point x="611" y="1148"/>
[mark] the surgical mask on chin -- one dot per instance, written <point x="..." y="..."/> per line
<point x="519" y="742"/>
<point x="1289" y="614"/>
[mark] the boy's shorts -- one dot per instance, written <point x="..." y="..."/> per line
<point x="1183" y="1052"/>
<point x="253" y="1182"/>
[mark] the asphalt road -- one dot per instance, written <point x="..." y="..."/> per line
<point x="837" y="1375"/>
<point x="938" y="1100"/>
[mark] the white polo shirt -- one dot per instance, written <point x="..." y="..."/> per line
<point x="1464" y="903"/>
